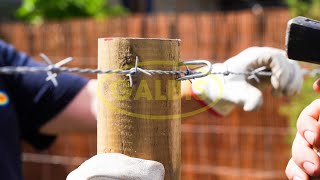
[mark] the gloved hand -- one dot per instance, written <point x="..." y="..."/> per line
<point x="222" y="93"/>
<point x="114" y="166"/>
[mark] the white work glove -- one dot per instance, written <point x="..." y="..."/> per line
<point x="222" y="93"/>
<point x="114" y="166"/>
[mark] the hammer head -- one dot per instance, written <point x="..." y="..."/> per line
<point x="302" y="40"/>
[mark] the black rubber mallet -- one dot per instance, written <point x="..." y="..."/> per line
<point x="303" y="40"/>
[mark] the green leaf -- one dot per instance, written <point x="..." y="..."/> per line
<point x="39" y="10"/>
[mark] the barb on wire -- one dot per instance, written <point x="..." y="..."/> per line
<point x="135" y="71"/>
<point x="259" y="72"/>
<point x="51" y="68"/>
<point x="188" y="72"/>
<point x="253" y="74"/>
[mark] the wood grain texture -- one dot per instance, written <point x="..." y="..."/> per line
<point x="141" y="121"/>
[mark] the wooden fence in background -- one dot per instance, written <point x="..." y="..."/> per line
<point x="241" y="146"/>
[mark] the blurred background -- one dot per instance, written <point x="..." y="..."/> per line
<point x="241" y="146"/>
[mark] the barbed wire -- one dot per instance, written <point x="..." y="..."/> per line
<point x="53" y="70"/>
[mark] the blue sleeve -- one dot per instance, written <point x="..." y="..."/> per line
<point x="36" y="100"/>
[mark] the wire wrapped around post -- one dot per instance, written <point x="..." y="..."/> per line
<point x="142" y="118"/>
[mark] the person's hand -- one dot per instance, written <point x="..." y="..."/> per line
<point x="223" y="92"/>
<point x="305" y="161"/>
<point x="114" y="166"/>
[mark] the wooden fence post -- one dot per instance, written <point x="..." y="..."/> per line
<point x="143" y="120"/>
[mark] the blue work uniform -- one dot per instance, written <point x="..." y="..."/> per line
<point x="27" y="101"/>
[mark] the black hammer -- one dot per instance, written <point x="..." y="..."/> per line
<point x="303" y="40"/>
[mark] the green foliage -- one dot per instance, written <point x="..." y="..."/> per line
<point x="35" y="11"/>
<point x="297" y="103"/>
<point x="308" y="8"/>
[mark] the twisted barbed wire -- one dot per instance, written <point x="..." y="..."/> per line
<point x="53" y="70"/>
